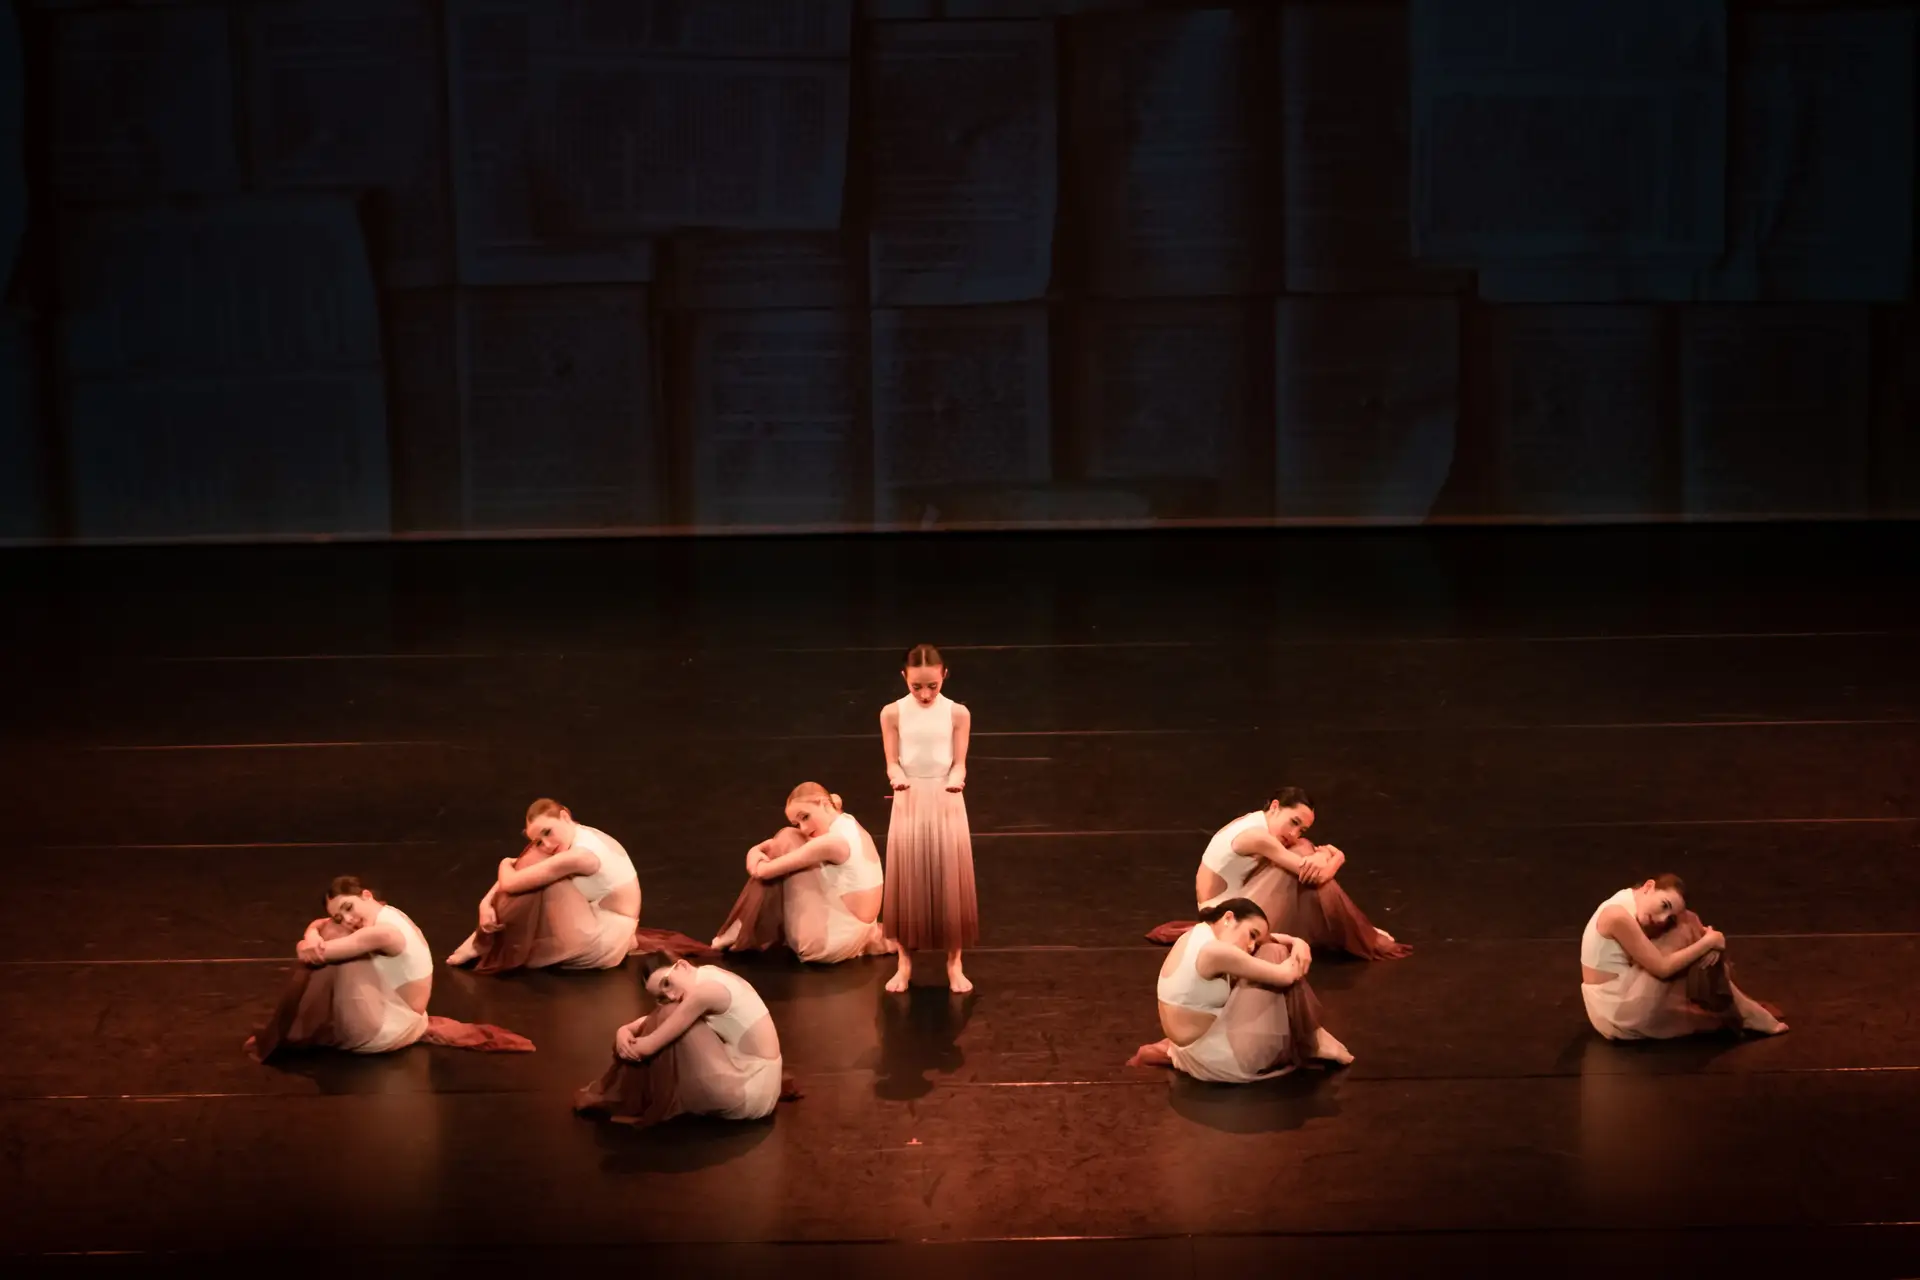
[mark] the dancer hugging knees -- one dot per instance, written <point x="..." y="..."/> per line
<point x="570" y="901"/>
<point x="930" y="903"/>
<point x="363" y="984"/>
<point x="1235" y="1004"/>
<point x="816" y="886"/>
<point x="1265" y="856"/>
<point x="1649" y="970"/>
<point x="709" y="1048"/>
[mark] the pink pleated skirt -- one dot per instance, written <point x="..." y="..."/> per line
<point x="929" y="904"/>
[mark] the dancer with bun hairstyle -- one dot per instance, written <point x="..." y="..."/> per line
<point x="929" y="902"/>
<point x="1649" y="970"/>
<point x="362" y="986"/>
<point x="814" y="885"/>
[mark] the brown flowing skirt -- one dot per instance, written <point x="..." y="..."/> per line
<point x="556" y="927"/>
<point x="695" y="1075"/>
<point x="761" y="907"/>
<point x="929" y="902"/>
<point x="1321" y="915"/>
<point x="347" y="1007"/>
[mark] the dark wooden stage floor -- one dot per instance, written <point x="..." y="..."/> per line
<point x="1501" y="728"/>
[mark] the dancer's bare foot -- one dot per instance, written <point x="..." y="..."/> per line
<point x="903" y="975"/>
<point x="1384" y="935"/>
<point x="253" y="1048"/>
<point x="1756" y="1017"/>
<point x="1326" y="1048"/>
<point x="466" y="954"/>
<point x="725" y="938"/>
<point x="957" y="981"/>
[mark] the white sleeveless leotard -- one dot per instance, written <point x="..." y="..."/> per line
<point x="759" y="1077"/>
<point x="860" y="871"/>
<point x="413" y="963"/>
<point x="926" y="737"/>
<point x="1184" y="988"/>
<point x="400" y="1025"/>
<point x="744" y="1010"/>
<point x="616" y="868"/>
<point x="1597" y="951"/>
<point x="1235" y="868"/>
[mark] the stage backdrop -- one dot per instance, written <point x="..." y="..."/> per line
<point x="399" y="267"/>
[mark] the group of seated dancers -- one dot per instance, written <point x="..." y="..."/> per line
<point x="1235" y="1005"/>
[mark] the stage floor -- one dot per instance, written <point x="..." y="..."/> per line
<point x="1499" y="727"/>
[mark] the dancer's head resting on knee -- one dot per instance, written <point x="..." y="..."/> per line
<point x="1658" y="902"/>
<point x="666" y="976"/>
<point x="549" y="826"/>
<point x="350" y="904"/>
<point x="811" y="808"/>
<point x="1289" y="814"/>
<point x="1238" y="922"/>
<point x="924" y="671"/>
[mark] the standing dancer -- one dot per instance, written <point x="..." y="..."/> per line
<point x="1266" y="856"/>
<point x="1649" y="970"/>
<point x="1234" y="1002"/>
<point x="930" y="901"/>
<point x="363" y="984"/>
<point x="709" y="1049"/>
<point x="815" y="886"/>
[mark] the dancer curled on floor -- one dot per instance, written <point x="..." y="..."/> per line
<point x="571" y="900"/>
<point x="363" y="984"/>
<point x="709" y="1049"/>
<point x="815" y="886"/>
<point x="1235" y="1004"/>
<point x="1649" y="970"/>
<point x="1265" y="856"/>
<point x="930" y="903"/>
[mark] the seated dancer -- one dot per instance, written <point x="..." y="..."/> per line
<point x="815" y="886"/>
<point x="570" y="901"/>
<point x="1266" y="856"/>
<point x="709" y="1049"/>
<point x="364" y="985"/>
<point x="1649" y="970"/>
<point x="1235" y="1003"/>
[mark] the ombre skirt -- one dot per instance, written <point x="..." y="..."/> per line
<point x="929" y="902"/>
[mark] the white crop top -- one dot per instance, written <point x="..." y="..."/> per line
<point x="414" y="961"/>
<point x="1184" y="988"/>
<point x="616" y="868"/>
<point x="861" y="870"/>
<point x="1597" y="951"/>
<point x="926" y="737"/>
<point x="1235" y="868"/>
<point x="744" y="1010"/>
